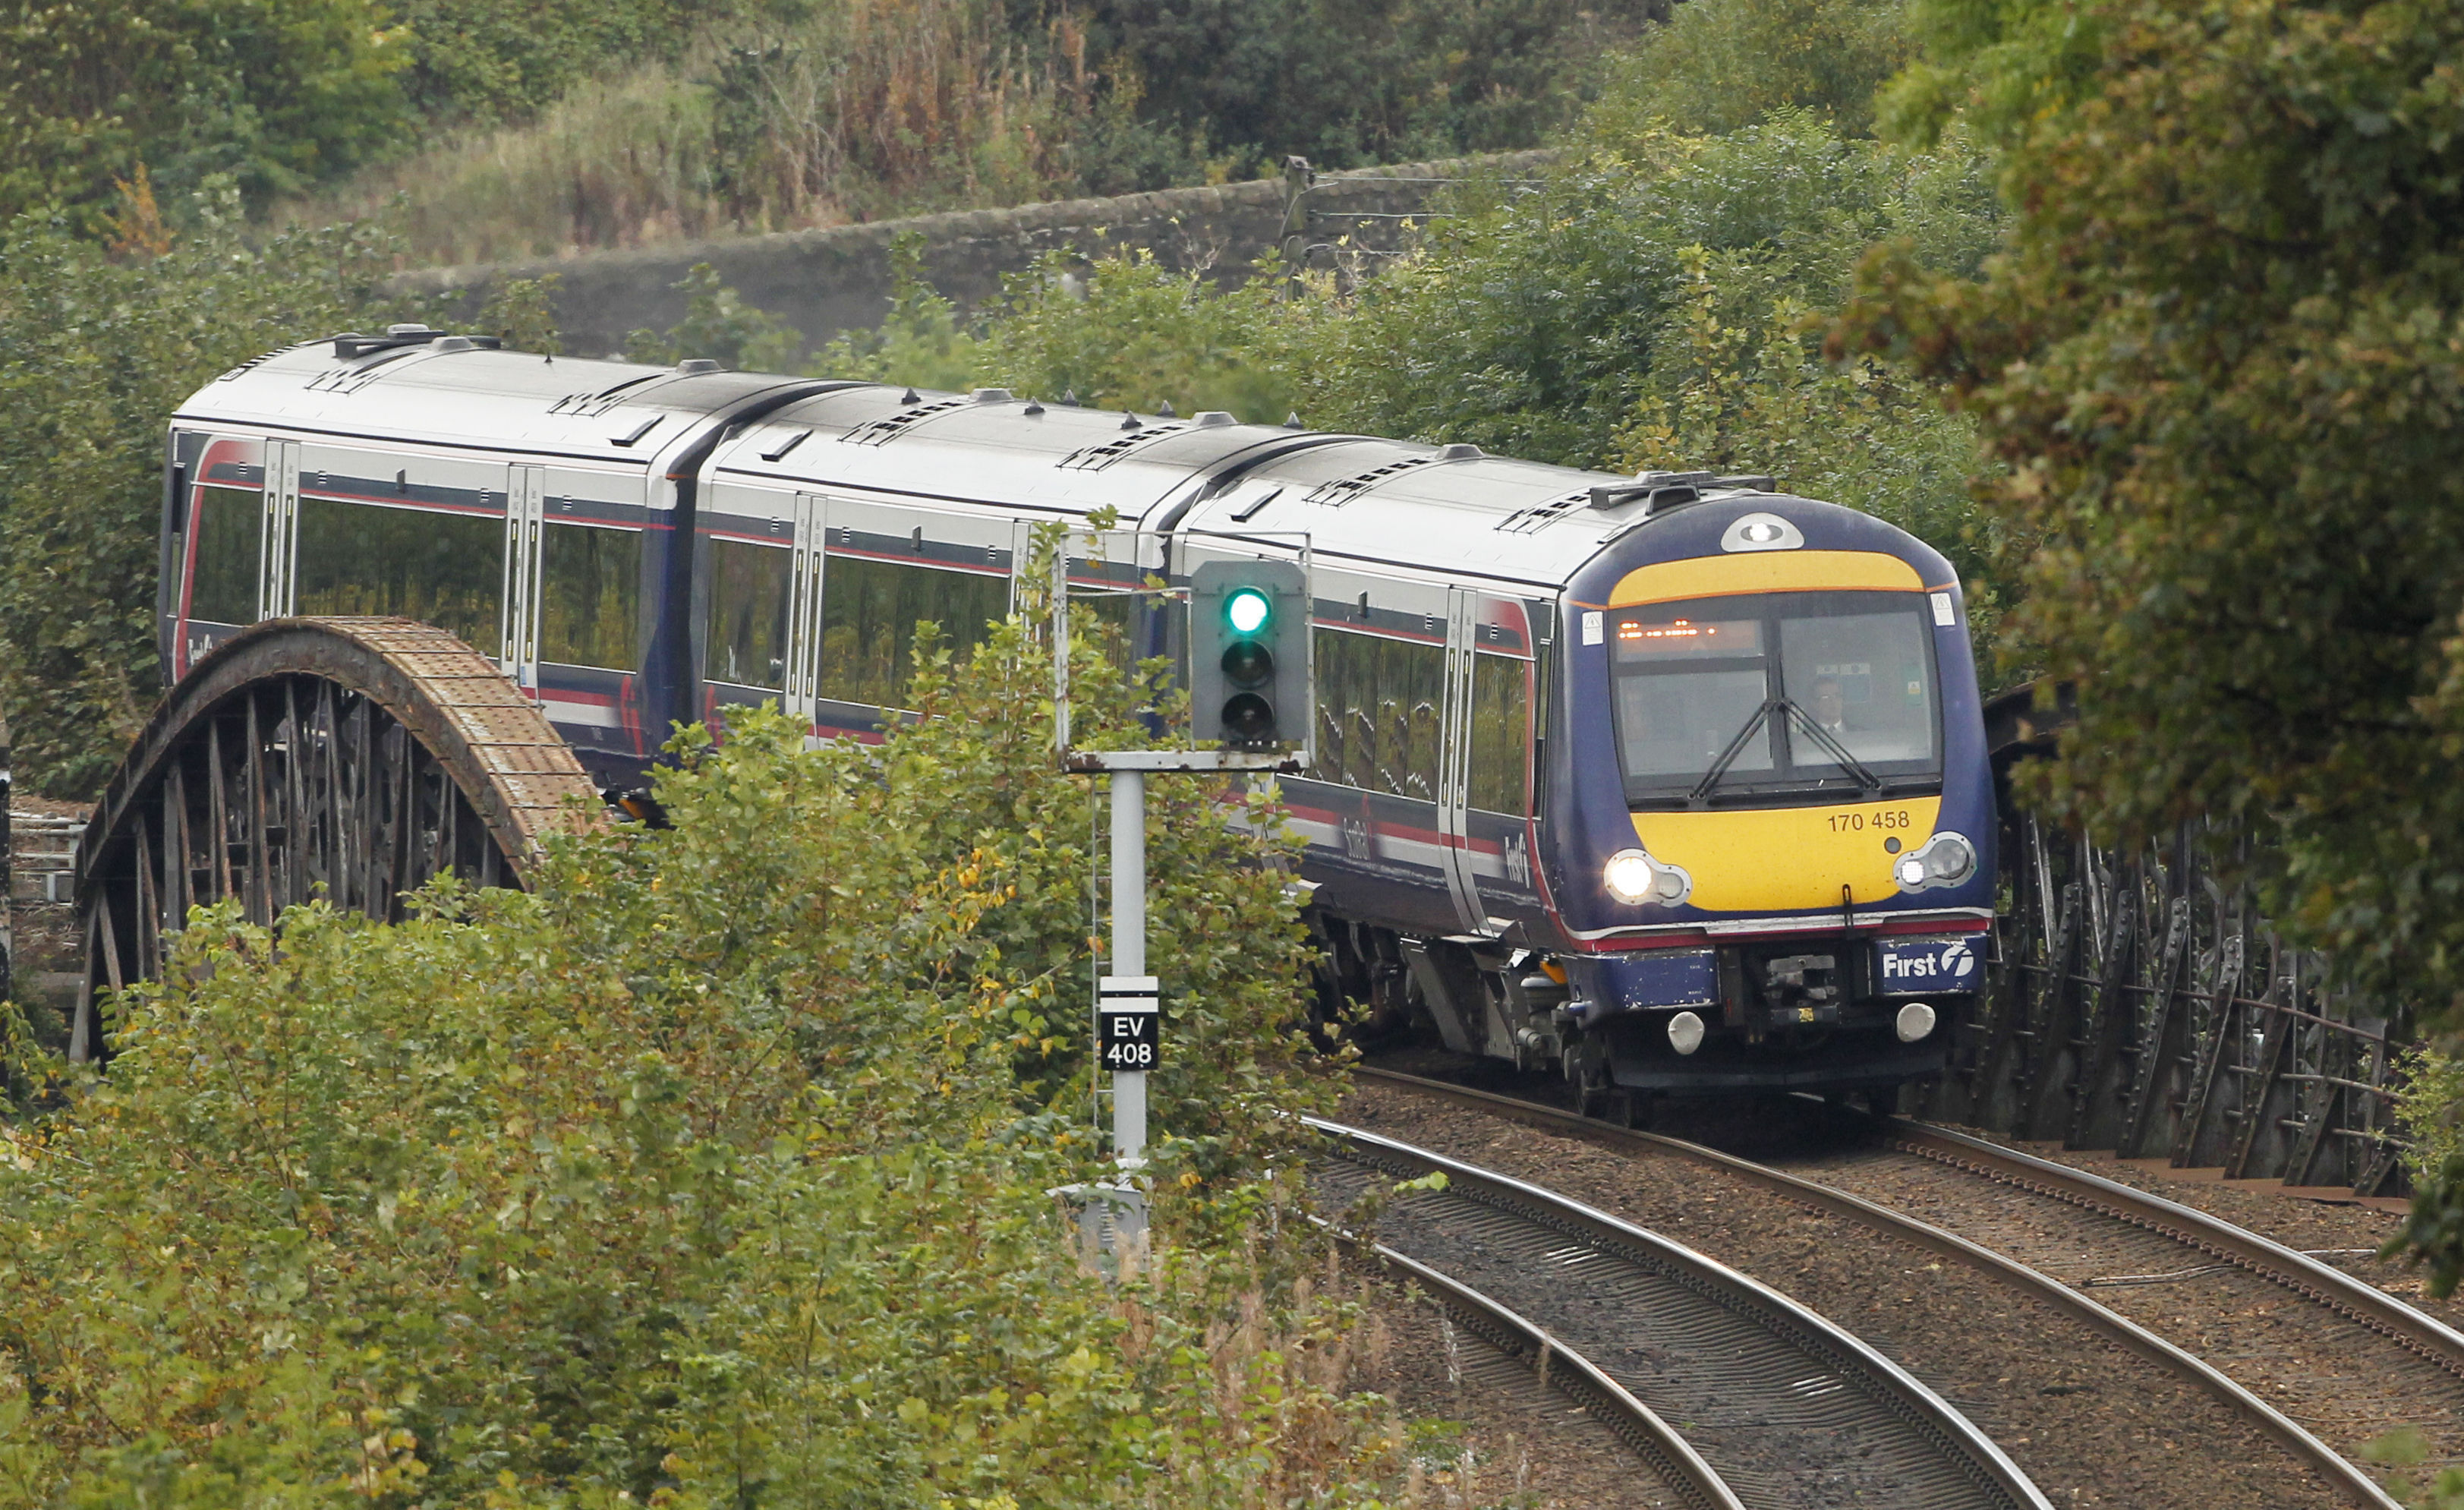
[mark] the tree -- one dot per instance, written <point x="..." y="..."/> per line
<point x="2223" y="362"/>
<point x="276" y="94"/>
<point x="1536" y="323"/>
<point x="96" y="352"/>
<point x="714" y="1169"/>
<point x="1717" y="65"/>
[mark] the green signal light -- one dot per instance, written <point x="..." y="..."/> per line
<point x="1247" y="611"/>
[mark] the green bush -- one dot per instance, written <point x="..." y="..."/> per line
<point x="712" y="1170"/>
<point x="1347" y="83"/>
<point x="1536" y="323"/>
<point x="2223" y="363"/>
<point x="276" y="94"/>
<point x="1719" y="65"/>
<point x="96" y="352"/>
<point x="492" y="60"/>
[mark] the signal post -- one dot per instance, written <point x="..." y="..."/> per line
<point x="1251" y="708"/>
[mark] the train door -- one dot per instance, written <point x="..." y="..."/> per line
<point x="526" y="507"/>
<point x="877" y="569"/>
<point x="1454" y="764"/>
<point x="808" y="556"/>
<point x="278" y="560"/>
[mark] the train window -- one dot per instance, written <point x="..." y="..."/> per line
<point x="745" y="641"/>
<point x="446" y="569"/>
<point x="590" y="588"/>
<point x="1377" y="713"/>
<point x="1776" y="684"/>
<point x="228" y="527"/>
<point x="1500" y="730"/>
<point x="869" y="610"/>
<point x="1867" y="678"/>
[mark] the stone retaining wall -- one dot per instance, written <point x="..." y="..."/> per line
<point x="822" y="282"/>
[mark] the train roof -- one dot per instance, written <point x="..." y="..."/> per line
<point x="1392" y="504"/>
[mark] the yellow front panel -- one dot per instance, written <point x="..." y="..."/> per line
<point x="1765" y="571"/>
<point x="1789" y="859"/>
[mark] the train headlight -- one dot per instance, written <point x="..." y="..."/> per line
<point x="1944" y="860"/>
<point x="1634" y="878"/>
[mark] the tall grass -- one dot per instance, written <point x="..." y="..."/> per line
<point x="862" y="108"/>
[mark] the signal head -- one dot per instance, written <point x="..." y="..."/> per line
<point x="1248" y="664"/>
<point x="1247" y="611"/>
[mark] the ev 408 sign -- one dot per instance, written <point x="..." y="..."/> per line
<point x="1129" y="1022"/>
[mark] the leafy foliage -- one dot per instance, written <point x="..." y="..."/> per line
<point x="714" y="1168"/>
<point x="273" y="93"/>
<point x="717" y="326"/>
<point x="95" y="354"/>
<point x="1753" y="398"/>
<point x="1718" y="65"/>
<point x="1536" y="324"/>
<point x="2224" y="364"/>
<point x="762" y="114"/>
<point x="505" y="59"/>
<point x="1344" y="82"/>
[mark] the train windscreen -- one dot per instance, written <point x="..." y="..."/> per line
<point x="1776" y="696"/>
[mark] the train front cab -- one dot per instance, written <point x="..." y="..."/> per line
<point x="1773" y="853"/>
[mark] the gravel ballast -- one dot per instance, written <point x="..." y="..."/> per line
<point x="2091" y="1424"/>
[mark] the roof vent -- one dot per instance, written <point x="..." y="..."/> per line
<point x="1032" y="407"/>
<point x="890" y="426"/>
<point x="1339" y="491"/>
<point x="992" y="395"/>
<point x="696" y="367"/>
<point x="351" y="344"/>
<point x="1209" y="419"/>
<point x="1165" y="410"/>
<point x="1293" y="421"/>
<point x="1132" y="435"/>
<point x="1461" y="451"/>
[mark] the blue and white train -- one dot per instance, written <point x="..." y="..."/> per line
<point x="1673" y="782"/>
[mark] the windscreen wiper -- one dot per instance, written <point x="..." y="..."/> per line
<point x="1729" y="755"/>
<point x="1830" y="745"/>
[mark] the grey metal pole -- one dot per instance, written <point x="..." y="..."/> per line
<point x="1130" y="951"/>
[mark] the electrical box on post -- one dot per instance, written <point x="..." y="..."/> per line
<point x="1249" y="654"/>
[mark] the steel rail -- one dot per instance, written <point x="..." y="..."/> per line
<point x="1564" y="1368"/>
<point x="1984" y="1470"/>
<point x="2348" y="1477"/>
<point x="2366" y="1304"/>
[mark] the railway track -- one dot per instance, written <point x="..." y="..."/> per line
<point x="1679" y="1469"/>
<point x="2269" y="1354"/>
<point x="1777" y="1406"/>
<point x="2344" y="1359"/>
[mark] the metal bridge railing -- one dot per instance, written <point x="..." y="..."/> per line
<point x="2139" y="1004"/>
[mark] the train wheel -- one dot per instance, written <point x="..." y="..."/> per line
<point x="350" y="758"/>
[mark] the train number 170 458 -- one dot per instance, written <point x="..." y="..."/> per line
<point x="1878" y="818"/>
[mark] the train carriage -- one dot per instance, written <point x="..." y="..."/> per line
<point x="1673" y="782"/>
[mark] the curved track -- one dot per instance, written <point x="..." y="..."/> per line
<point x="2356" y="1485"/>
<point x="2348" y="1360"/>
<point x="1567" y="1370"/>
<point x="1786" y="1407"/>
<point x="350" y="758"/>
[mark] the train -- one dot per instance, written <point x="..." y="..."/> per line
<point x="1671" y="784"/>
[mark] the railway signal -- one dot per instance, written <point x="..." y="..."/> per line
<point x="1250" y="653"/>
